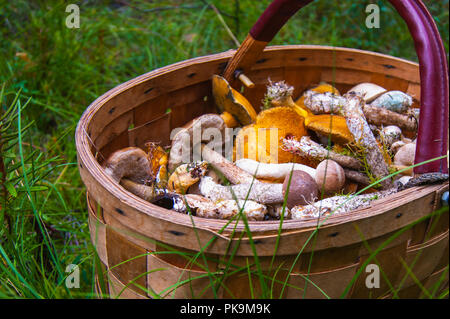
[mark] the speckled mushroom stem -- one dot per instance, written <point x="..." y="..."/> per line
<point x="306" y="147"/>
<point x="203" y="207"/>
<point x="381" y="116"/>
<point x="325" y="103"/>
<point x="356" y="176"/>
<point x="425" y="179"/>
<point x="360" y="129"/>
<point x="145" y="192"/>
<point x="233" y="173"/>
<point x="337" y="205"/>
<point x="263" y="193"/>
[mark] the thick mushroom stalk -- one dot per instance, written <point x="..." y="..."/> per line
<point x="358" y="126"/>
<point x="264" y="193"/>
<point x="158" y="196"/>
<point x="272" y="171"/>
<point x="306" y="147"/>
<point x="233" y="173"/>
<point x="337" y="205"/>
<point x="324" y="103"/>
<point x="203" y="207"/>
<point x="145" y="192"/>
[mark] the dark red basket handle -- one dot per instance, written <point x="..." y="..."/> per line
<point x="432" y="139"/>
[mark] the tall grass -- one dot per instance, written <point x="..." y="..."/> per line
<point x="49" y="74"/>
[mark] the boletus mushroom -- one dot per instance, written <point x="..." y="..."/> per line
<point x="334" y="126"/>
<point x="233" y="105"/>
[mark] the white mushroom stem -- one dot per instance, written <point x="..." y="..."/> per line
<point x="360" y="129"/>
<point x="272" y="171"/>
<point x="312" y="150"/>
<point x="233" y="173"/>
<point x="337" y="205"/>
<point x="264" y="193"/>
<point x="226" y="209"/>
<point x="320" y="103"/>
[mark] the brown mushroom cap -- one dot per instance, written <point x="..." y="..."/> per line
<point x="330" y="176"/>
<point x="129" y="162"/>
<point x="229" y="100"/>
<point x="302" y="189"/>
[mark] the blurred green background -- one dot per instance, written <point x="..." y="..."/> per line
<point x="56" y="72"/>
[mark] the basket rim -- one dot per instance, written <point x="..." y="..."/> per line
<point x="88" y="160"/>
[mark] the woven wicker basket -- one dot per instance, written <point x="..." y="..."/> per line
<point x="126" y="229"/>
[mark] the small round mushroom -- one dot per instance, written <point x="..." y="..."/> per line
<point x="397" y="145"/>
<point x="390" y="134"/>
<point x="330" y="176"/>
<point x="405" y="155"/>
<point x="302" y="189"/>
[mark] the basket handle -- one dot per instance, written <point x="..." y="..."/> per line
<point x="432" y="139"/>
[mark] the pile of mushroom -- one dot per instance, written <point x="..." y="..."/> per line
<point x="329" y="146"/>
